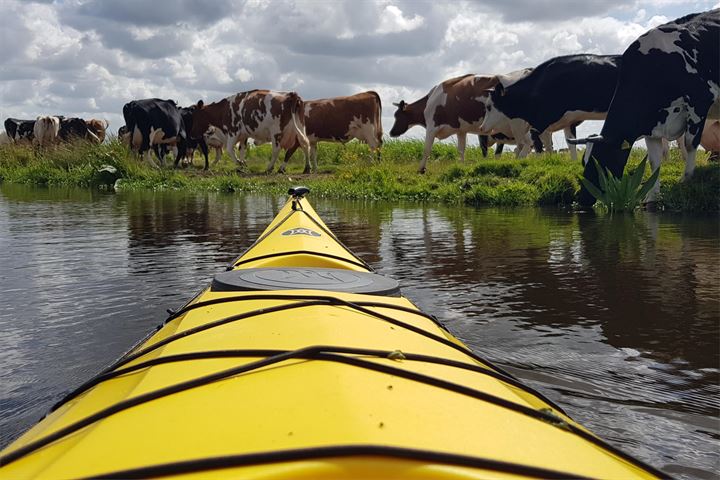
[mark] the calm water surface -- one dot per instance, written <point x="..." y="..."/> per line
<point x="616" y="319"/>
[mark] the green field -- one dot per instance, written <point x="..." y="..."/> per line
<point x="351" y="171"/>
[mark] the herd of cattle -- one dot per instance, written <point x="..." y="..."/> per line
<point x="665" y="86"/>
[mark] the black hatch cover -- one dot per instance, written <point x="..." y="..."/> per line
<point x="330" y="279"/>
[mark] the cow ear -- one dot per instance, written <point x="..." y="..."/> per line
<point x="200" y="104"/>
<point x="400" y="105"/>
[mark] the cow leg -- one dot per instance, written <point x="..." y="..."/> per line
<point x="429" y="139"/>
<point x="180" y="151"/>
<point x="521" y="133"/>
<point x="655" y="152"/>
<point x="205" y="151"/>
<point x="537" y="141"/>
<point x="274" y="157"/>
<point x="218" y="155"/>
<point x="230" y="145"/>
<point x="148" y="158"/>
<point x="689" y="150"/>
<point x="499" y="149"/>
<point x="547" y="142"/>
<point x="313" y="156"/>
<point x="570" y="133"/>
<point x="462" y="140"/>
<point x="288" y="153"/>
<point x="683" y="146"/>
<point x="483" y="139"/>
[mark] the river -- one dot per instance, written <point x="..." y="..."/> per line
<point x="616" y="318"/>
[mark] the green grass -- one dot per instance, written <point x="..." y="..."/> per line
<point x="352" y="171"/>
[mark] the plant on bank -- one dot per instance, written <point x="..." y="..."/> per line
<point x="624" y="193"/>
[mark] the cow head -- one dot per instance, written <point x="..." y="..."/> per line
<point x="609" y="154"/>
<point x="199" y="120"/>
<point x="494" y="117"/>
<point x="402" y="119"/>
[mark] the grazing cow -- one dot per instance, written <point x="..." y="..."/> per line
<point x="215" y="139"/>
<point x="342" y="119"/>
<point x="98" y="128"/>
<point x="550" y="97"/>
<point x="45" y="131"/>
<point x="263" y="115"/>
<point x="152" y="123"/>
<point x="669" y="80"/>
<point x="76" y="129"/>
<point x="5" y="138"/>
<point x="20" y="131"/>
<point x="452" y="107"/>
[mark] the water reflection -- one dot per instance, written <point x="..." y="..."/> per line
<point x="616" y="318"/>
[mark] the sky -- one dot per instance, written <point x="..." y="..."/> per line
<point x="87" y="58"/>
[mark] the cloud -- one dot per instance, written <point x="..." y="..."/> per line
<point x="89" y="57"/>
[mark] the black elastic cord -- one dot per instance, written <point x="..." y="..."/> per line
<point x="312" y="453"/>
<point x="298" y="252"/>
<point x="313" y="301"/>
<point x="315" y="353"/>
<point x="251" y="353"/>
<point x="328" y="300"/>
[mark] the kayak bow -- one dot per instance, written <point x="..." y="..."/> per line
<point x="300" y="362"/>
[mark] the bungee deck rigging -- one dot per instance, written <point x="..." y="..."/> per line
<point x="260" y="376"/>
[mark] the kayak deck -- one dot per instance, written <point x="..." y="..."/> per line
<point x="307" y="383"/>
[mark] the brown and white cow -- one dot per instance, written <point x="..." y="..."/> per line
<point x="45" y="131"/>
<point x="98" y="127"/>
<point x="453" y="107"/>
<point x="263" y="115"/>
<point x="341" y="119"/>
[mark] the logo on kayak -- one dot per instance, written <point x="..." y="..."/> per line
<point x="300" y="231"/>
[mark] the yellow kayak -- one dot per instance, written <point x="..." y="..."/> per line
<point x="300" y="362"/>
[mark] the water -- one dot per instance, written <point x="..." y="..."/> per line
<point x="616" y="319"/>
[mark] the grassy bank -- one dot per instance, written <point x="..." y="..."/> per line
<point x="351" y="171"/>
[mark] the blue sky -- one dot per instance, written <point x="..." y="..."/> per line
<point x="89" y="57"/>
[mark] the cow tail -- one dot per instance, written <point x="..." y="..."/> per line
<point x="129" y="120"/>
<point x="378" y="118"/>
<point x="297" y="112"/>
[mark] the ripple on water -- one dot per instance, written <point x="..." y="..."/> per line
<point x="615" y="319"/>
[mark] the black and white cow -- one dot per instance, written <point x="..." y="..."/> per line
<point x="669" y="80"/>
<point x="75" y="128"/>
<point x="152" y="123"/>
<point x="20" y="131"/>
<point x="556" y="95"/>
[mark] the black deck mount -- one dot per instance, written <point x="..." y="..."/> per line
<point x="298" y="192"/>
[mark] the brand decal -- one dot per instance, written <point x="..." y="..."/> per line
<point x="300" y="231"/>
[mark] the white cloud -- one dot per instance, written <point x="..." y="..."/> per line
<point x="90" y="57"/>
<point x="392" y="20"/>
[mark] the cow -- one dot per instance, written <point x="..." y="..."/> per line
<point x="341" y="119"/>
<point x="152" y="123"/>
<point x="550" y="97"/>
<point x="20" y="131"/>
<point x="452" y="107"/>
<point x="45" y="131"/>
<point x="75" y="128"/>
<point x="263" y="115"/>
<point x="214" y="139"/>
<point x="669" y="80"/>
<point x="98" y="128"/>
